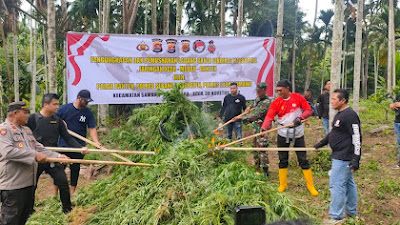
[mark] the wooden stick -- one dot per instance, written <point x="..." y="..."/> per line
<point x="274" y="149"/>
<point x="82" y="161"/>
<point x="230" y="121"/>
<point x="255" y="135"/>
<point x="96" y="145"/>
<point x="102" y="151"/>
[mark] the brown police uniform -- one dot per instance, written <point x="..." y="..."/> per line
<point x="18" y="169"/>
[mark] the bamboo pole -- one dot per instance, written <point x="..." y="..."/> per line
<point x="96" y="145"/>
<point x="82" y="161"/>
<point x="230" y="121"/>
<point x="256" y="135"/>
<point x="275" y="149"/>
<point x="55" y="149"/>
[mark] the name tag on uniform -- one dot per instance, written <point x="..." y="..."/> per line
<point x="53" y="121"/>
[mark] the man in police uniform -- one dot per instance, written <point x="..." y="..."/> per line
<point x="47" y="128"/>
<point x="256" y="117"/>
<point x="20" y="154"/>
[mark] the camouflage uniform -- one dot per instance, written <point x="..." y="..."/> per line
<point x="256" y="117"/>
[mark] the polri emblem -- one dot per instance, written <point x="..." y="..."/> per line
<point x="157" y="45"/>
<point x="142" y="46"/>
<point x="211" y="47"/>
<point x="171" y="43"/>
<point x="185" y="45"/>
<point x="3" y="132"/>
<point x="20" y="145"/>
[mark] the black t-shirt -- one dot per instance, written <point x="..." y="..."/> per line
<point x="232" y="106"/>
<point x="47" y="130"/>
<point x="397" y="111"/>
<point x="323" y="106"/>
<point x="345" y="136"/>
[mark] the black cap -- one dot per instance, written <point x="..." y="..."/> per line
<point x="85" y="94"/>
<point x="262" y="85"/>
<point x="17" y="106"/>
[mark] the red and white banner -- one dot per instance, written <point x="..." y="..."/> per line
<point x="128" y="69"/>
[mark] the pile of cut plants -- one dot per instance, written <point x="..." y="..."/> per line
<point x="190" y="185"/>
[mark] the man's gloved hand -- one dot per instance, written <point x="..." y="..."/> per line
<point x="354" y="165"/>
<point x="297" y="121"/>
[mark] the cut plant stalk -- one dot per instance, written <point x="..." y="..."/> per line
<point x="83" y="161"/>
<point x="274" y="149"/>
<point x="128" y="152"/>
<point x="256" y="135"/>
<point x="97" y="146"/>
<point x="230" y="121"/>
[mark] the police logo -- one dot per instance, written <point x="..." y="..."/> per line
<point x="157" y="46"/>
<point x="142" y="46"/>
<point x="171" y="43"/>
<point x="199" y="46"/>
<point x="185" y="45"/>
<point x="211" y="47"/>
<point x="3" y="132"/>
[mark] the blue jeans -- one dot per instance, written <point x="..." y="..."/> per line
<point x="343" y="190"/>
<point x="238" y="130"/>
<point x="397" y="130"/>
<point x="325" y="122"/>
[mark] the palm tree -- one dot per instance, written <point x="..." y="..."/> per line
<point x="326" y="17"/>
<point x="154" y="17"/>
<point x="279" y="31"/>
<point x="222" y="17"/>
<point x="51" y="41"/>
<point x="15" y="54"/>
<point x="166" y="17"/>
<point x="391" y="70"/>
<point x="308" y="74"/>
<point x="357" y="56"/>
<point x="336" y="50"/>
<point x="178" y="27"/>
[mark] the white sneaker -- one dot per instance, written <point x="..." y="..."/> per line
<point x="333" y="221"/>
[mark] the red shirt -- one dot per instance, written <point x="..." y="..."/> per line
<point x="288" y="110"/>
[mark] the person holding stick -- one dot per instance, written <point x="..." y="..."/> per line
<point x="78" y="118"/>
<point x="20" y="154"/>
<point x="345" y="142"/>
<point x="233" y="105"/>
<point x="256" y="117"/>
<point x="47" y="127"/>
<point x="291" y="108"/>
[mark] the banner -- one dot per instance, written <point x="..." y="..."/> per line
<point x="128" y="69"/>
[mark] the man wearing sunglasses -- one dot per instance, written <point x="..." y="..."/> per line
<point x="290" y="108"/>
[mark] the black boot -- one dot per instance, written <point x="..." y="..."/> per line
<point x="266" y="172"/>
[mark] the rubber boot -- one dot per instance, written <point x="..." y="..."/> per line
<point x="310" y="183"/>
<point x="282" y="179"/>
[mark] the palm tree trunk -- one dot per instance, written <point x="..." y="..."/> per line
<point x="15" y="56"/>
<point x="294" y="50"/>
<point x="357" y="56"/>
<point x="390" y="72"/>
<point x="366" y="69"/>
<point x="46" y="73"/>
<point x="154" y="17"/>
<point x="179" y="7"/>
<point x="166" y="17"/>
<point x="222" y="15"/>
<point x="100" y="15"/>
<point x="33" y="70"/>
<point x="336" y="51"/>
<point x="51" y="33"/>
<point x="133" y="8"/>
<point x="392" y="41"/>
<point x="308" y="74"/>
<point x="146" y="16"/>
<point x="279" y="31"/>
<point x="344" y="62"/>
<point x="240" y="19"/>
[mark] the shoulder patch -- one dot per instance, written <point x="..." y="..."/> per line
<point x="3" y="132"/>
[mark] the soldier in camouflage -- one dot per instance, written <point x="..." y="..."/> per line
<point x="256" y="117"/>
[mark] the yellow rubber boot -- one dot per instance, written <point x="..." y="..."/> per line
<point x="310" y="183"/>
<point x="282" y="179"/>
